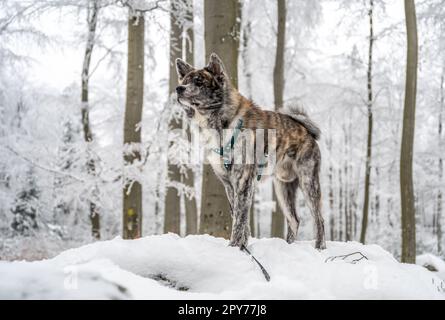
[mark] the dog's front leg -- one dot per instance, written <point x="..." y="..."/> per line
<point x="225" y="180"/>
<point x="243" y="189"/>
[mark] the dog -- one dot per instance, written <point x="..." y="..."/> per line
<point x="210" y="99"/>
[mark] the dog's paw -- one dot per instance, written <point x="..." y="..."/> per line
<point x="240" y="244"/>
<point x="290" y="238"/>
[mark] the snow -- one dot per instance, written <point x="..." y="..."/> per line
<point x="431" y="261"/>
<point x="204" y="267"/>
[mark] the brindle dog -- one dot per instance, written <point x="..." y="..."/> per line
<point x="210" y="99"/>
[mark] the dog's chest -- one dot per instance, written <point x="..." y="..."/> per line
<point x="200" y="119"/>
<point x="223" y="147"/>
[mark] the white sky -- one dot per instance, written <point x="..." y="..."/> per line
<point x="58" y="65"/>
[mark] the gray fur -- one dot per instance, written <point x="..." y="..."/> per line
<point x="308" y="165"/>
<point x="299" y="115"/>
<point x="239" y="182"/>
<point x="286" y="196"/>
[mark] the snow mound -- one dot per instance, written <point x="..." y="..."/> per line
<point x="204" y="267"/>
<point x="432" y="263"/>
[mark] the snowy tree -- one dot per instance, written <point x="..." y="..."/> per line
<point x="25" y="209"/>
<point x="181" y="46"/>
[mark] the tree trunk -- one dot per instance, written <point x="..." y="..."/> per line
<point x="220" y="24"/>
<point x="370" y="124"/>
<point x="172" y="200"/>
<point x="278" y="90"/>
<point x="92" y="15"/>
<point x="132" y="193"/>
<point x="331" y="204"/>
<point x="406" y="156"/>
<point x="377" y="196"/>
<point x="439" y="195"/>
<point x="191" y="210"/>
<point x="346" y="184"/>
<point x="346" y="205"/>
<point x="245" y="31"/>
<point x="351" y="193"/>
<point x="340" y="205"/>
<point x="331" y="186"/>
<point x="157" y="208"/>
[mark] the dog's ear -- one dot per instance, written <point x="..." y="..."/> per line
<point x="216" y="67"/>
<point x="182" y="68"/>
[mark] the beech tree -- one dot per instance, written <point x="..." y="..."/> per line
<point x="132" y="192"/>
<point x="370" y="124"/>
<point x="92" y="17"/>
<point x="440" y="163"/>
<point x="222" y="37"/>
<point x="277" y="228"/>
<point x="406" y="154"/>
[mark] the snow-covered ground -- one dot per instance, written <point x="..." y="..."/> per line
<point x="433" y="263"/>
<point x="204" y="267"/>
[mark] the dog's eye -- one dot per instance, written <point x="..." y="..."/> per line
<point x="197" y="82"/>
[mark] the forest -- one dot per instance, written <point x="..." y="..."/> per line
<point x="93" y="141"/>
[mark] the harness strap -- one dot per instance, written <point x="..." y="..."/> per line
<point x="225" y="151"/>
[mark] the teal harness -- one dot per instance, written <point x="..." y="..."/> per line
<point x="226" y="151"/>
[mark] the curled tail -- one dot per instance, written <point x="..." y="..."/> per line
<point x="302" y="118"/>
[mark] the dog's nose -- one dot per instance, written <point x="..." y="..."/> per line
<point x="180" y="89"/>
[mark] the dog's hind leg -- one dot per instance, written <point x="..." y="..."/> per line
<point x="308" y="173"/>
<point x="242" y="179"/>
<point x="286" y="194"/>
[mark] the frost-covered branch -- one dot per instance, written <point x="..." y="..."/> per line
<point x="143" y="6"/>
<point x="42" y="167"/>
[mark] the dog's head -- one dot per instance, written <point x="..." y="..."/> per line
<point x="202" y="89"/>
